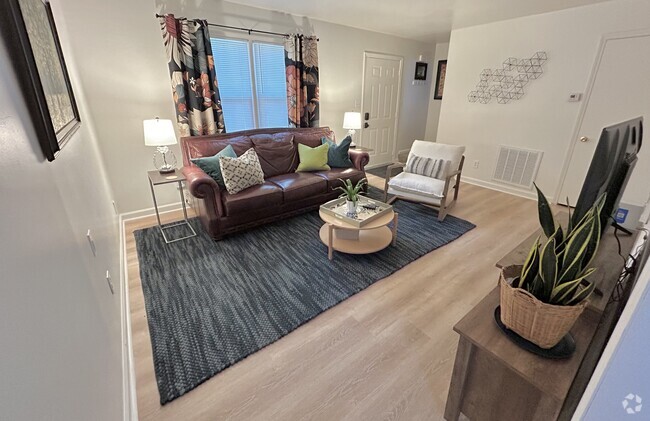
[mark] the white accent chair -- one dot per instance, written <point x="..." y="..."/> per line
<point x="427" y="190"/>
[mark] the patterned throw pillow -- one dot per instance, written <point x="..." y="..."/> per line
<point x="241" y="173"/>
<point x="429" y="167"/>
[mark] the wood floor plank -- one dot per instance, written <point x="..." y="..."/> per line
<point x="386" y="353"/>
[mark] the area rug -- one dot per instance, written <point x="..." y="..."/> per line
<point x="210" y="304"/>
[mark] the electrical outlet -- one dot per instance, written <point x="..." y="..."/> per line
<point x="476" y="162"/>
<point x="91" y="243"/>
<point x="110" y="283"/>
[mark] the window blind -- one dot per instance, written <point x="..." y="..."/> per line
<point x="233" y="69"/>
<point x="270" y="85"/>
<point x="232" y="65"/>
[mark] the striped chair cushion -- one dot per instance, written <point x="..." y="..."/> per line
<point x="428" y="167"/>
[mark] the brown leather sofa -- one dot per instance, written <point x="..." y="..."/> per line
<point x="284" y="193"/>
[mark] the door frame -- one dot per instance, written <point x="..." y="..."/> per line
<point x="587" y="97"/>
<point x="374" y="54"/>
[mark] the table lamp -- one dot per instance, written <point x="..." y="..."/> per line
<point x="352" y="122"/>
<point x="160" y="133"/>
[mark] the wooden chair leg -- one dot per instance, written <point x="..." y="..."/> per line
<point x="442" y="213"/>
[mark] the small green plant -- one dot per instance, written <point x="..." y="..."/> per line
<point x="351" y="192"/>
<point x="555" y="271"/>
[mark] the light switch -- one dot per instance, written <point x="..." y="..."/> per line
<point x="110" y="283"/>
<point x="91" y="243"/>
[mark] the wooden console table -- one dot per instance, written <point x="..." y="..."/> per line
<point x="494" y="379"/>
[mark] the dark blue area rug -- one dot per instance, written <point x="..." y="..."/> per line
<point x="210" y="304"/>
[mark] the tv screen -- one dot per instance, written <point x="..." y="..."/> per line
<point x="610" y="169"/>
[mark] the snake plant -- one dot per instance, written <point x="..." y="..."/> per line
<point x="556" y="269"/>
<point x="351" y="192"/>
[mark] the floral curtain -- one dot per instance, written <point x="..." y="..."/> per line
<point x="301" y="61"/>
<point x="193" y="79"/>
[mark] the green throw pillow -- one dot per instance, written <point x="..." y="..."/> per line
<point x="338" y="156"/>
<point x="211" y="165"/>
<point x="312" y="159"/>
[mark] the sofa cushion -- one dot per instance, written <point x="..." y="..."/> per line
<point x="332" y="176"/>
<point x="277" y="153"/>
<point x="311" y="138"/>
<point x="338" y="156"/>
<point x="212" y="145"/>
<point x="210" y="164"/>
<point x="259" y="196"/>
<point x="299" y="185"/>
<point x="241" y="173"/>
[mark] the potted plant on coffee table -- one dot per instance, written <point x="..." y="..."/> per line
<point x="544" y="301"/>
<point x="351" y="193"/>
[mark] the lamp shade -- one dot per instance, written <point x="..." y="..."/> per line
<point x="352" y="121"/>
<point x="159" y="132"/>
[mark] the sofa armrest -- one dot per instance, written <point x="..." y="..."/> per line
<point x="359" y="159"/>
<point x="202" y="186"/>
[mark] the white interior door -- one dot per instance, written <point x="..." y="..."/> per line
<point x="382" y="77"/>
<point x="621" y="91"/>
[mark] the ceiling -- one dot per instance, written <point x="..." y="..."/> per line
<point x="422" y="20"/>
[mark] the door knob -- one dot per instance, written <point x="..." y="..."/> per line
<point x="584" y="139"/>
<point x="366" y="125"/>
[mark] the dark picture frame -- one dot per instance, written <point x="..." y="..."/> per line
<point x="30" y="34"/>
<point x="440" y="79"/>
<point x="421" y="70"/>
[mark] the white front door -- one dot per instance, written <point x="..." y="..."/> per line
<point x="382" y="77"/>
<point x="621" y="91"/>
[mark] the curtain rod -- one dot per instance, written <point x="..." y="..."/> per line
<point x="238" y="28"/>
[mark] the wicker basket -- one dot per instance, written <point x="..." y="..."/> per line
<point x="540" y="323"/>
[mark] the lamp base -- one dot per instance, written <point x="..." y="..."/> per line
<point x="166" y="170"/>
<point x="164" y="160"/>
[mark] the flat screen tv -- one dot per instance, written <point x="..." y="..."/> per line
<point x="610" y="169"/>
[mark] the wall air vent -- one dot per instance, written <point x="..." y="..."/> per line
<point x="516" y="166"/>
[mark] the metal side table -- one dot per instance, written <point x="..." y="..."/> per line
<point x="157" y="179"/>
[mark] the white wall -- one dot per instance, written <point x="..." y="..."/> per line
<point x="543" y="119"/>
<point x="59" y="323"/>
<point x="433" y="117"/>
<point x="124" y="70"/>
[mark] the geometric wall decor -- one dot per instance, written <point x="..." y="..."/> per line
<point x="507" y="83"/>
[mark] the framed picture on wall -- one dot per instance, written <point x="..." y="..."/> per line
<point x="421" y="70"/>
<point x="440" y="79"/>
<point x="31" y="37"/>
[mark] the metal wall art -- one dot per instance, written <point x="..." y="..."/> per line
<point x="507" y="83"/>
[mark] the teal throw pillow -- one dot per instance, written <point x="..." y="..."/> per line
<point x="211" y="164"/>
<point x="338" y="155"/>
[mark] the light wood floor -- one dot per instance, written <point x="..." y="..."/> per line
<point x="384" y="354"/>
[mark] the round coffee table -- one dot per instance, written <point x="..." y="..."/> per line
<point x="346" y="238"/>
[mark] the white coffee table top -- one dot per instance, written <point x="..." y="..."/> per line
<point x="382" y="221"/>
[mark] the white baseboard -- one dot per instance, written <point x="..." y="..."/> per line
<point x="130" y="404"/>
<point x="143" y="213"/>
<point x="499" y="187"/>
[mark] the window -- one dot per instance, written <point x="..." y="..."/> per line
<point x="253" y="95"/>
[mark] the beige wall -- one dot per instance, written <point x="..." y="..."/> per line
<point x="60" y="324"/>
<point x="434" y="105"/>
<point x="543" y="119"/>
<point x="124" y="70"/>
